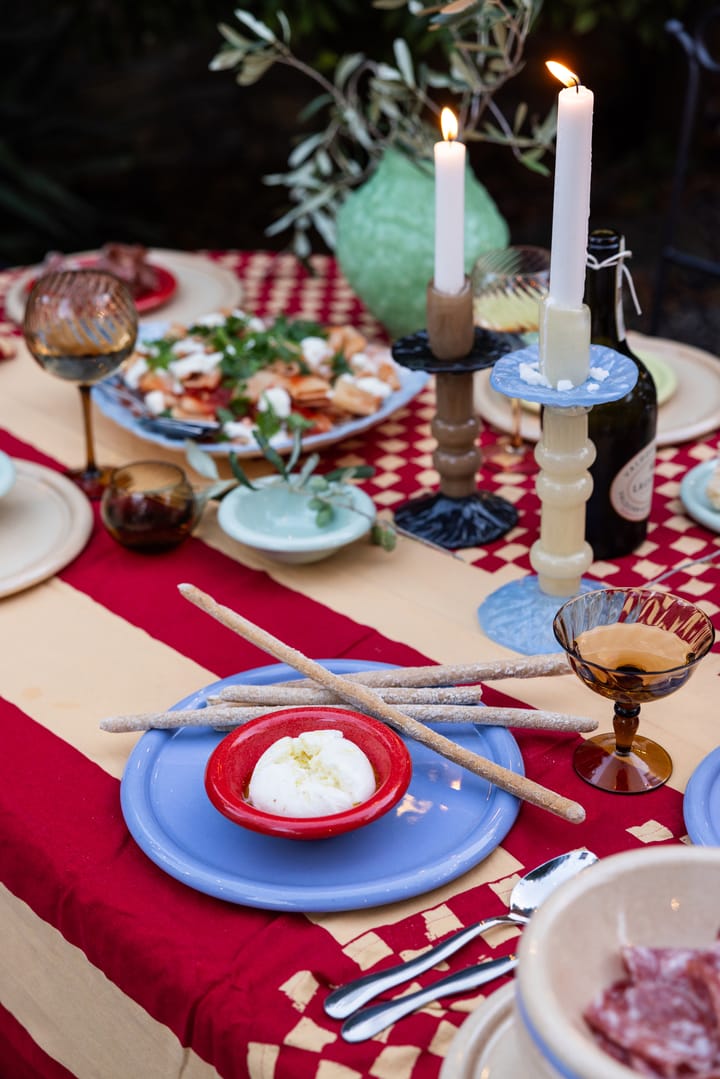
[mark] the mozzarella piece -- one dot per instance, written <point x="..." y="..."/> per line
<point x="315" y="351"/>
<point x="155" y="402"/>
<point x="195" y="363"/>
<point x="318" y="773"/>
<point x="277" y="398"/>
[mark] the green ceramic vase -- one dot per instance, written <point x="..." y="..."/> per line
<point x="386" y="238"/>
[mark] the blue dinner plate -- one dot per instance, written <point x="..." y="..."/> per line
<point x="448" y="821"/>
<point x="701" y="804"/>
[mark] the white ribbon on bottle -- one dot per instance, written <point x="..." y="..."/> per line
<point x="613" y="260"/>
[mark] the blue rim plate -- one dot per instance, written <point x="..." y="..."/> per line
<point x="701" y="804"/>
<point x="694" y="498"/>
<point x="448" y="821"/>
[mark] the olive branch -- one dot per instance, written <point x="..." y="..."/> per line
<point x="369" y="105"/>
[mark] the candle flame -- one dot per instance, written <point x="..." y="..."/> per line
<point x="564" y="74"/>
<point x="448" y="124"/>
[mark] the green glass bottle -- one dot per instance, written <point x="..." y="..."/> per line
<point x="623" y="431"/>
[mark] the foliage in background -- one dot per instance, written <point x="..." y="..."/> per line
<point x="647" y="18"/>
<point x="53" y="140"/>
<point x="367" y="105"/>
<point x="62" y="160"/>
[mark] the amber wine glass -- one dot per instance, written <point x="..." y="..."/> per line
<point x="508" y="285"/>
<point x="80" y="325"/>
<point x="631" y="645"/>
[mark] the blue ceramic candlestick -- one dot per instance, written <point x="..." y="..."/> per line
<point x="519" y="615"/>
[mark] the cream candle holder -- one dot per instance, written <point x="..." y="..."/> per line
<point x="565" y="453"/>
<point x="520" y="613"/>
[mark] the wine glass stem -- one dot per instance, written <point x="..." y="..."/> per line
<point x="91" y="467"/>
<point x="625" y="725"/>
<point x="516" y="439"/>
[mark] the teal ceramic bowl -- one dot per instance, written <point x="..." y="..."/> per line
<point x="279" y="522"/>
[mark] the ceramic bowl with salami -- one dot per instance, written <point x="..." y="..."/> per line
<point x="619" y="971"/>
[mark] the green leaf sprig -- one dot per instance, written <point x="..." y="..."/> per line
<point x="326" y="492"/>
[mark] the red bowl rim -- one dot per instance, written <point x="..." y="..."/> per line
<point x="230" y="766"/>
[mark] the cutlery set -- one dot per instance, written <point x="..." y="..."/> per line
<point x="360" y="1023"/>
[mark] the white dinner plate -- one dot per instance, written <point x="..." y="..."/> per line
<point x="486" y="1045"/>
<point x="691" y="411"/>
<point x="45" y="521"/>
<point x="448" y="821"/>
<point x="202" y="285"/>
<point x="694" y="498"/>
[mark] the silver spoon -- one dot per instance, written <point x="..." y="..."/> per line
<point x="525" y="898"/>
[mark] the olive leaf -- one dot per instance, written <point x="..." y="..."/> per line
<point x="239" y="473"/>
<point x="384" y="535"/>
<point x="256" y="25"/>
<point x="202" y="462"/>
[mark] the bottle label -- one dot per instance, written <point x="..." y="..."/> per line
<point x="631" y="490"/>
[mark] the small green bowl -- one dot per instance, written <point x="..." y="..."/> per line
<point x="279" y="522"/>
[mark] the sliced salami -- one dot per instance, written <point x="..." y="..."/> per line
<point x="663" y="1019"/>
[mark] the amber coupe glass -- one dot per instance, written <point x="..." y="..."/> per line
<point x="632" y="645"/>
<point x="80" y="325"/>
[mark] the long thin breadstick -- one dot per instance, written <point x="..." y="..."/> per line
<point x="287" y="694"/>
<point x="453" y="674"/>
<point x="220" y="718"/>
<point x="226" y="717"/>
<point x="366" y="700"/>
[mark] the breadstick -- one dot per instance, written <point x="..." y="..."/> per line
<point x="288" y="694"/>
<point x="363" y="698"/>
<point x="227" y="717"/>
<point x="220" y="718"/>
<point x="456" y="674"/>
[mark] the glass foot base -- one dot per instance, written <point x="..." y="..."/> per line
<point x="648" y="765"/>
<point x="520" y="616"/>
<point x="92" y="482"/>
<point x="457" y="522"/>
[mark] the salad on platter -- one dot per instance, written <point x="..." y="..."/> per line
<point x="231" y="373"/>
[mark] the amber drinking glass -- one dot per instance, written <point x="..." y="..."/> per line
<point x="80" y="325"/>
<point x="149" y="505"/>
<point x="633" y="646"/>
<point x="508" y="285"/>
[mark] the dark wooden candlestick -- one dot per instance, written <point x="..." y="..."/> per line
<point x="452" y="349"/>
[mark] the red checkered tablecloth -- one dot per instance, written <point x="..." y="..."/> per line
<point x="401" y="448"/>
<point x="111" y="968"/>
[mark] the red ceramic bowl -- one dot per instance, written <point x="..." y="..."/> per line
<point x="231" y="764"/>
